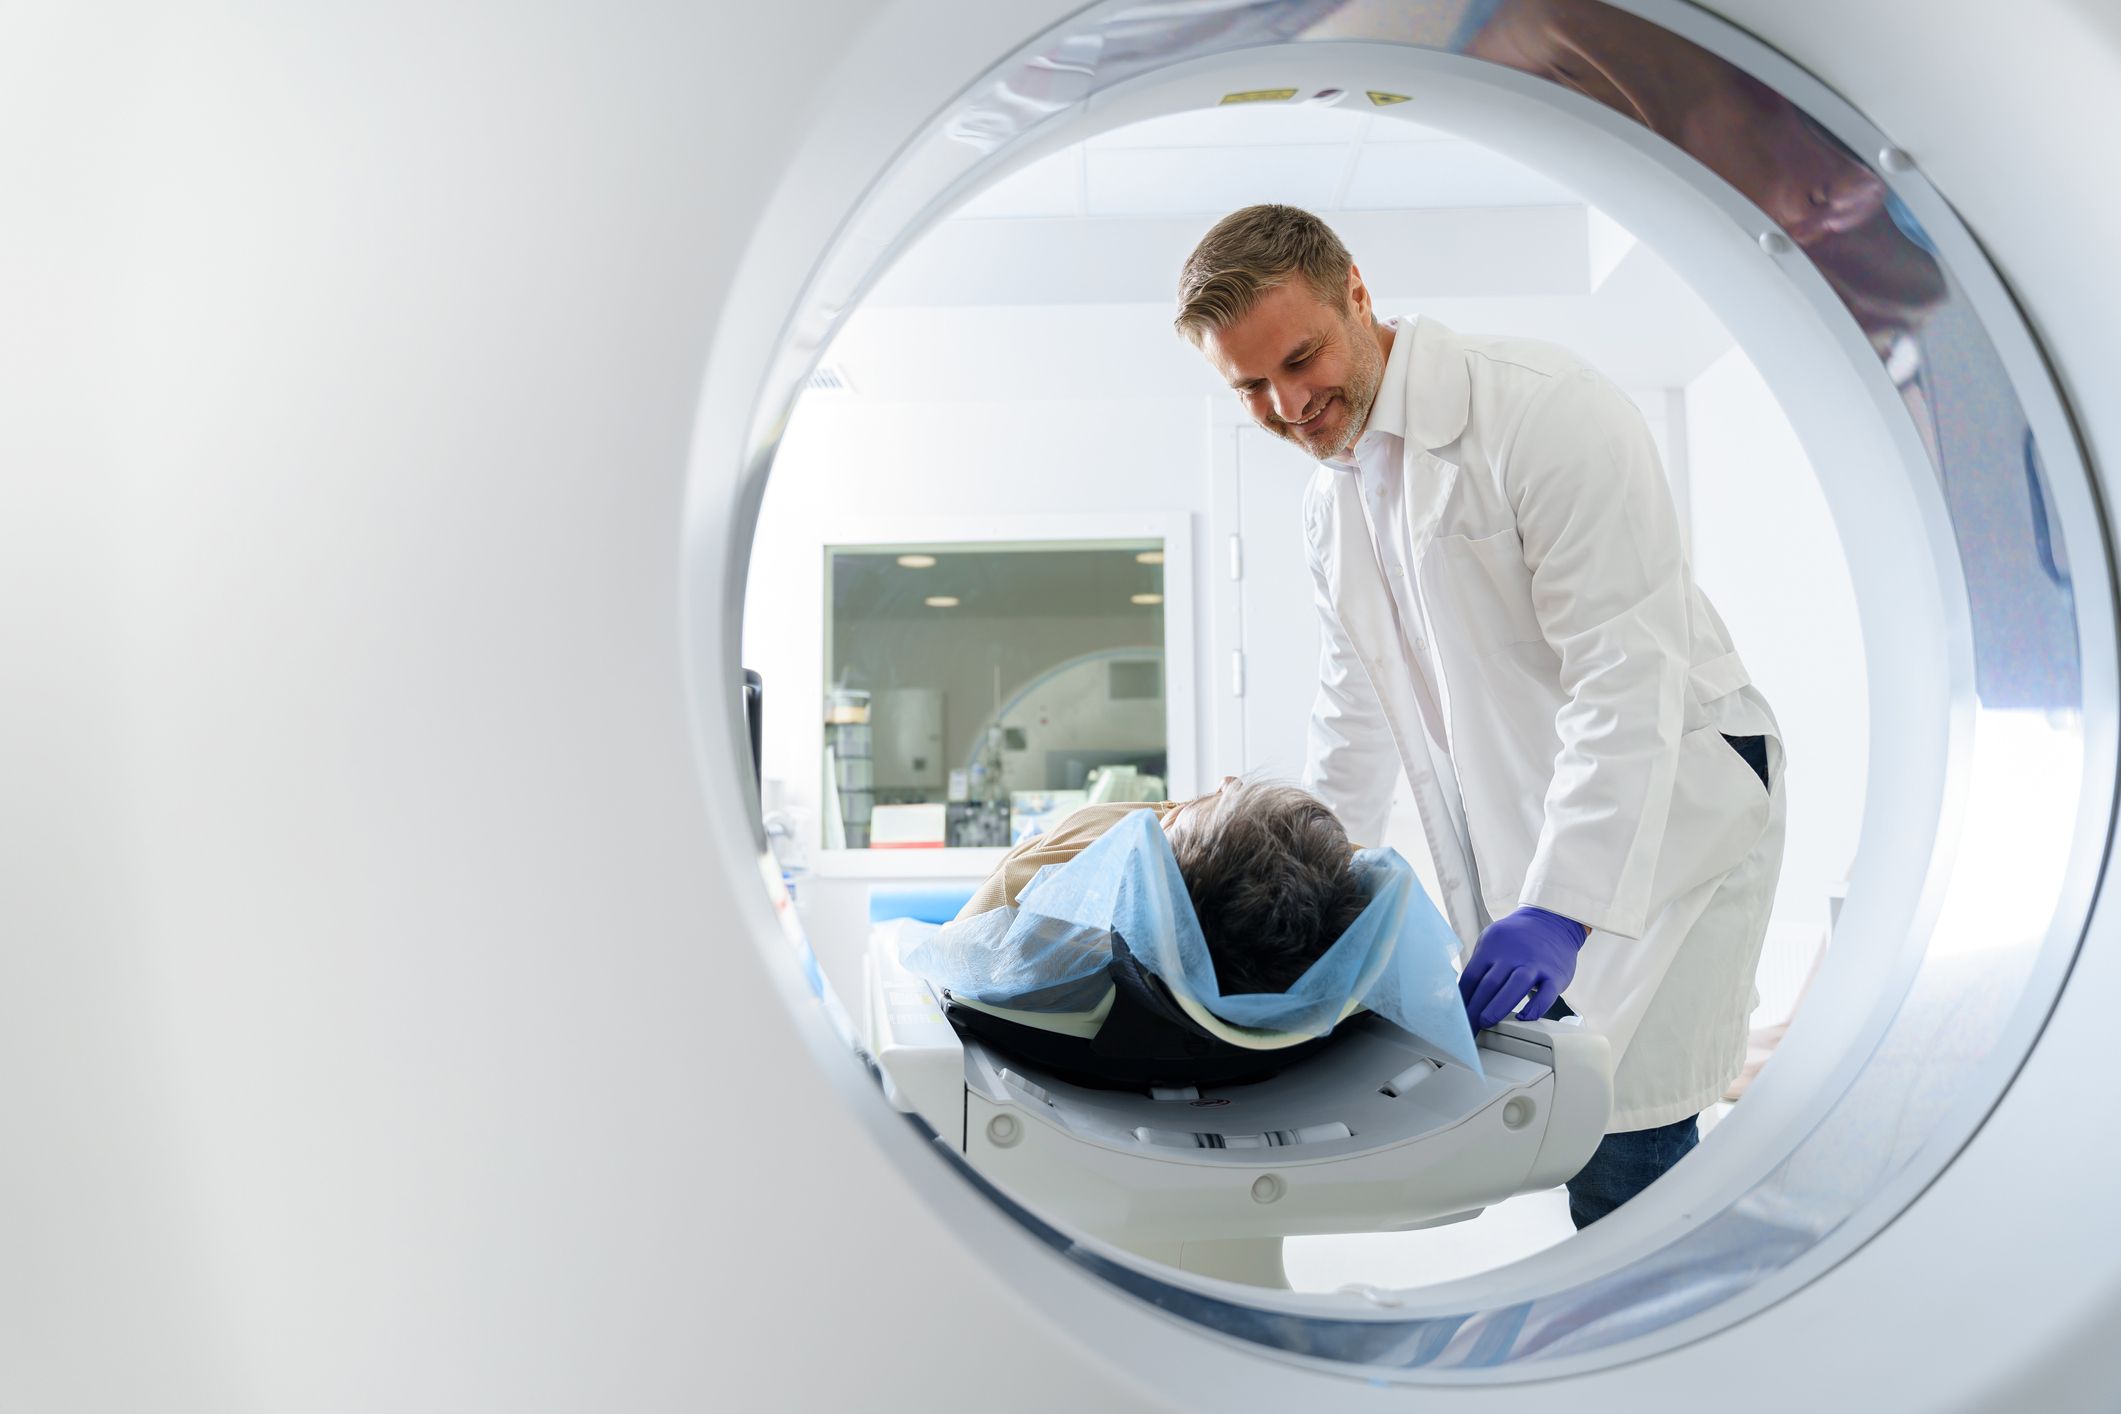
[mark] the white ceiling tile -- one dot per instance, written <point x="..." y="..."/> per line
<point x="1208" y="180"/>
<point x="1048" y="187"/>
<point x="1401" y="176"/>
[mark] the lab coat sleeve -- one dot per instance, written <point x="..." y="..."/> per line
<point x="1601" y="541"/>
<point x="1350" y="760"/>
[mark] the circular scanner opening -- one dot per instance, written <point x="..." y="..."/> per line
<point x="983" y="330"/>
<point x="1972" y="559"/>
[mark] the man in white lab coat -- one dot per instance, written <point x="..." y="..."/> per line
<point x="1509" y="616"/>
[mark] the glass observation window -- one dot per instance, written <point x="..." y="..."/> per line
<point x="975" y="693"/>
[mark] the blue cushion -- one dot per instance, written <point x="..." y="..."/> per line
<point x="925" y="903"/>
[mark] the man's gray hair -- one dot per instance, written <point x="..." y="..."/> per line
<point x="1250" y="252"/>
<point x="1268" y="869"/>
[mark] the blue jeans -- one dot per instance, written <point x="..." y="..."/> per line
<point x="1624" y="1165"/>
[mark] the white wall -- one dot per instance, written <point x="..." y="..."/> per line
<point x="1766" y="552"/>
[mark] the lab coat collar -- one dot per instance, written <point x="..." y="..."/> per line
<point x="1388" y="414"/>
<point x="1435" y="395"/>
<point x="1423" y="394"/>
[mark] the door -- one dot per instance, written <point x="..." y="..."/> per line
<point x="1278" y="624"/>
<point x="1267" y="625"/>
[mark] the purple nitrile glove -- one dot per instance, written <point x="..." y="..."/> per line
<point x="1531" y="953"/>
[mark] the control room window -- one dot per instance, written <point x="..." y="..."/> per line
<point x="975" y="693"/>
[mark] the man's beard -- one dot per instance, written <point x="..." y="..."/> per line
<point x="1357" y="397"/>
<point x="1358" y="402"/>
<point x="1355" y="404"/>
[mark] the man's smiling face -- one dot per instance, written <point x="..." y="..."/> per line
<point x="1306" y="371"/>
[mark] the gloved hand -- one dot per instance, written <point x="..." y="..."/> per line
<point x="1530" y="953"/>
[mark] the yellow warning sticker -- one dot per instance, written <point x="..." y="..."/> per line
<point x="1261" y="95"/>
<point x="1382" y="100"/>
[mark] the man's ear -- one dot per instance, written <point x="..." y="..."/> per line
<point x="1358" y="293"/>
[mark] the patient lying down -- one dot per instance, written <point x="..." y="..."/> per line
<point x="1267" y="869"/>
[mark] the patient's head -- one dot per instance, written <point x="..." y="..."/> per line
<point x="1267" y="868"/>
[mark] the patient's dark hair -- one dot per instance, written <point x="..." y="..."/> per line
<point x="1267" y="868"/>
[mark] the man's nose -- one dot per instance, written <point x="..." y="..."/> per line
<point x="1290" y="402"/>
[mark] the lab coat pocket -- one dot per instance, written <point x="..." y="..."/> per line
<point x="1718" y="813"/>
<point x="1489" y="588"/>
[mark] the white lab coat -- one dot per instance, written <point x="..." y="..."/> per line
<point x="1585" y="687"/>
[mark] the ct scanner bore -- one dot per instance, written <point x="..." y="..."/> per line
<point x="1992" y="629"/>
<point x="380" y="1013"/>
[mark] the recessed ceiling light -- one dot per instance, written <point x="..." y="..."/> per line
<point x="1149" y="557"/>
<point x="917" y="562"/>
<point x="1136" y="598"/>
<point x="940" y="601"/>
